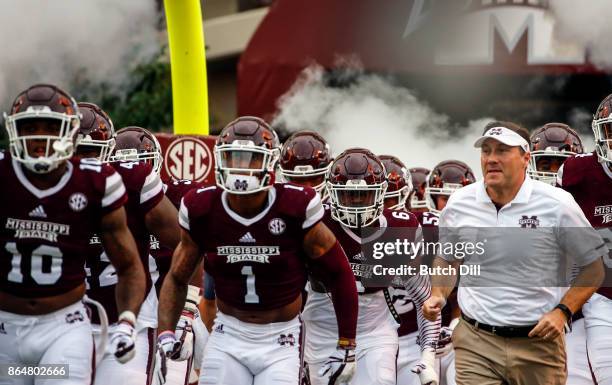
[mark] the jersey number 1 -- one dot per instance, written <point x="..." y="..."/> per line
<point x="251" y="296"/>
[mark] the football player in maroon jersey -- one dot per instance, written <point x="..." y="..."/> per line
<point x="409" y="353"/>
<point x="399" y="182"/>
<point x="149" y="212"/>
<point x="257" y="237"/>
<point x="416" y="200"/>
<point x="551" y="145"/>
<point x="305" y="159"/>
<point x="588" y="177"/>
<point x="356" y="185"/>
<point x="443" y="180"/>
<point x="51" y="206"/>
<point x="96" y="135"/>
<point x="138" y="144"/>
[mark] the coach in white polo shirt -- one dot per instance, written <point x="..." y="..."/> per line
<point x="514" y="333"/>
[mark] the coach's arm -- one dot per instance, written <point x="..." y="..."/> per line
<point x="551" y="325"/>
<point x="441" y="287"/>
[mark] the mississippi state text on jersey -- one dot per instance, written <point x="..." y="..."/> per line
<point x="256" y="263"/>
<point x="590" y="183"/>
<point x="46" y="233"/>
<point x="144" y="190"/>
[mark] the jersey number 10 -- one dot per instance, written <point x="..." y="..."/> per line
<point x="36" y="270"/>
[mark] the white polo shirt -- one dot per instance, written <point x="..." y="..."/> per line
<point x="493" y="297"/>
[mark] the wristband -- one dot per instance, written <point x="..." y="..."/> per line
<point x="346" y="344"/>
<point x="127" y="316"/>
<point x="568" y="313"/>
<point x="165" y="333"/>
<point x="193" y="298"/>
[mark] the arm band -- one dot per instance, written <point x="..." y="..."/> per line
<point x="333" y="269"/>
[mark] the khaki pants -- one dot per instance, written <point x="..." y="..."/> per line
<point x="482" y="358"/>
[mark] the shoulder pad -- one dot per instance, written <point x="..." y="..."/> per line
<point x="573" y="169"/>
<point x="199" y="201"/>
<point x="292" y="199"/>
<point x="400" y="218"/>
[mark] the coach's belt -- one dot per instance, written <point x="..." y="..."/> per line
<point x="502" y="331"/>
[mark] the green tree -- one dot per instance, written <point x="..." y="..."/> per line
<point x="146" y="101"/>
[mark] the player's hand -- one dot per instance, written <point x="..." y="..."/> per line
<point x="184" y="331"/>
<point x="340" y="366"/>
<point x="445" y="343"/>
<point x="123" y="338"/>
<point x="184" y="327"/>
<point x="433" y="306"/>
<point x="167" y="345"/>
<point x="425" y="369"/>
<point x="550" y="326"/>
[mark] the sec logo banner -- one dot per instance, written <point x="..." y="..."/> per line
<point x="188" y="158"/>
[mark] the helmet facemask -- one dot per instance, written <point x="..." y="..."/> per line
<point x="431" y="194"/>
<point x="96" y="138"/>
<point x="58" y="147"/>
<point x="356" y="204"/>
<point x="150" y="154"/>
<point x="303" y="173"/>
<point x="548" y="177"/>
<point x="400" y="195"/>
<point x="243" y="168"/>
<point x="103" y="148"/>
<point x="602" y="129"/>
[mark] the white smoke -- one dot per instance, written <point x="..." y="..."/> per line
<point x="73" y="41"/>
<point x="588" y="24"/>
<point x="375" y="114"/>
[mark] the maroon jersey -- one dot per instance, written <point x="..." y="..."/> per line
<point x="256" y="263"/>
<point x="144" y="190"/>
<point x="404" y="306"/>
<point x="590" y="183"/>
<point x="175" y="191"/>
<point x="46" y="232"/>
<point x="353" y="244"/>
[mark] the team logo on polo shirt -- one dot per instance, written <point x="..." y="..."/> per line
<point x="605" y="212"/>
<point x="531" y="222"/>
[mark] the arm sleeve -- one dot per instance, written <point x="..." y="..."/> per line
<point x="115" y="194"/>
<point x="314" y="213"/>
<point x="152" y="192"/>
<point x="560" y="177"/>
<point x="419" y="289"/>
<point x="183" y="216"/>
<point x="333" y="269"/>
